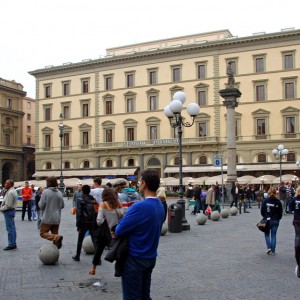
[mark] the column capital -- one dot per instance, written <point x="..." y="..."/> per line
<point x="230" y="95"/>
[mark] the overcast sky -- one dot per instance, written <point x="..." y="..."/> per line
<point x="38" y="33"/>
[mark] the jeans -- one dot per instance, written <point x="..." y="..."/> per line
<point x="9" y="216"/>
<point x="248" y="201"/>
<point x="33" y="210"/>
<point x="136" y="278"/>
<point x="82" y="230"/>
<point x="28" y="205"/>
<point x="271" y="243"/>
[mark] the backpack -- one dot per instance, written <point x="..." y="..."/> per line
<point x="88" y="211"/>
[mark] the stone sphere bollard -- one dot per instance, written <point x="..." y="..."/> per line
<point x="49" y="254"/>
<point x="164" y="229"/>
<point x="88" y="245"/>
<point x="224" y="213"/>
<point x="200" y="219"/>
<point x="233" y="211"/>
<point x="215" y="216"/>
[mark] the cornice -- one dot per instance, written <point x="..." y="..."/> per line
<point x="217" y="44"/>
<point x="12" y="90"/>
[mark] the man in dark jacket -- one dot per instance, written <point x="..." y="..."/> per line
<point x="197" y="198"/>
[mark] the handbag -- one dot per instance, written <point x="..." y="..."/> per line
<point x="263" y="225"/>
<point x="103" y="232"/>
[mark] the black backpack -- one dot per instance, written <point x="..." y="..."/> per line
<point x="88" y="211"/>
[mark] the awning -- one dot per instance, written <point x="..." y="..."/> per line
<point x="86" y="172"/>
<point x="248" y="167"/>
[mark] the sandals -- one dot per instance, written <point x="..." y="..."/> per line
<point x="92" y="271"/>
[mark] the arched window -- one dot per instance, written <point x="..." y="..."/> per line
<point x="203" y="160"/>
<point x="176" y="161"/>
<point x="261" y="158"/>
<point x="131" y="162"/>
<point x="67" y="165"/>
<point x="86" y="164"/>
<point x="153" y="162"/>
<point x="7" y="121"/>
<point x="109" y="163"/>
<point x="48" y="166"/>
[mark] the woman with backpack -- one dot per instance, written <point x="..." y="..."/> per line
<point x="86" y="214"/>
<point x="110" y="212"/>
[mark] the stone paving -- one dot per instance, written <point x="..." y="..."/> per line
<point x="219" y="260"/>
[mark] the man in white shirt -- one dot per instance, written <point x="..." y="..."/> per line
<point x="97" y="189"/>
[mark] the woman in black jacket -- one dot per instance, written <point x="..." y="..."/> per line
<point x="295" y="206"/>
<point x="271" y="210"/>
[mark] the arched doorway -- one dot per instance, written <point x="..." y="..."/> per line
<point x="30" y="169"/>
<point x="154" y="163"/>
<point x="6" y="172"/>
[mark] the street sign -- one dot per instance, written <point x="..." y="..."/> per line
<point x="217" y="160"/>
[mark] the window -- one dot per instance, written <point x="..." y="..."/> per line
<point x="48" y="166"/>
<point x="129" y="79"/>
<point x="202" y="129"/>
<point x="201" y="98"/>
<point x="176" y="161"/>
<point x="108" y="107"/>
<point x="260" y="93"/>
<point x="47" y="91"/>
<point x="28" y="105"/>
<point x="153" y="132"/>
<point x="290" y="125"/>
<point x="28" y="117"/>
<point x="261" y="158"/>
<point x="47" y="113"/>
<point x="130" y="162"/>
<point x="109" y="163"/>
<point x="259" y="64"/>
<point x="201" y="71"/>
<point x="85" y="138"/>
<point x="7" y="121"/>
<point x="129" y="105"/>
<point x="108" y="135"/>
<point x="47" y="140"/>
<point x="9" y="103"/>
<point x="153" y="103"/>
<point x="85" y="85"/>
<point x="289" y="90"/>
<point x="288" y="60"/>
<point x="86" y="164"/>
<point x="66" y="88"/>
<point x="28" y="129"/>
<point x="66" y="139"/>
<point x="130" y="134"/>
<point x="85" y="109"/>
<point x="176" y="73"/>
<point x="7" y="139"/>
<point x="291" y="157"/>
<point x="28" y="141"/>
<point x="261" y="127"/>
<point x="152" y="77"/>
<point x="67" y="165"/>
<point x="108" y="81"/>
<point x="175" y="132"/>
<point x="203" y="160"/>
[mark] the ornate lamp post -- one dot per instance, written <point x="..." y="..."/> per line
<point x="279" y="154"/>
<point x="61" y="186"/>
<point x="173" y="113"/>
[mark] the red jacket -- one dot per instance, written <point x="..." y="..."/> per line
<point x="26" y="193"/>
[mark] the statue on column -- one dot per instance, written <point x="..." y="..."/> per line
<point x="229" y="72"/>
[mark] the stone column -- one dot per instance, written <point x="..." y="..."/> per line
<point x="230" y="96"/>
<point x="141" y="162"/>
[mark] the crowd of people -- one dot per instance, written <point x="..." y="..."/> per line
<point x="118" y="212"/>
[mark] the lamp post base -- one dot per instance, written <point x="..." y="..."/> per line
<point x="185" y="224"/>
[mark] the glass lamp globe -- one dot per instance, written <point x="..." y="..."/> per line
<point x="176" y="106"/>
<point x="285" y="151"/>
<point x="181" y="96"/>
<point x="280" y="147"/>
<point x="274" y="151"/>
<point x="193" y="109"/>
<point x="168" y="113"/>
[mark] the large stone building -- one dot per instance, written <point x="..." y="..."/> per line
<point x="16" y="157"/>
<point x="113" y="106"/>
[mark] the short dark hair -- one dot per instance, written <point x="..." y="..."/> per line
<point x="151" y="178"/>
<point x="51" y="181"/>
<point x="11" y="182"/>
<point x="97" y="180"/>
<point x="109" y="184"/>
<point x="86" y="189"/>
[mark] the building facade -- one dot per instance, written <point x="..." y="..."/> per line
<point x="113" y="106"/>
<point x="11" y="129"/>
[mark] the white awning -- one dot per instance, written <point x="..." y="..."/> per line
<point x="86" y="172"/>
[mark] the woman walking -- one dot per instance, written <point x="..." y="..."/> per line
<point x="271" y="210"/>
<point x="295" y="206"/>
<point x="110" y="212"/>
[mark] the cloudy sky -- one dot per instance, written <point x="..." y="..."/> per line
<point x="38" y="33"/>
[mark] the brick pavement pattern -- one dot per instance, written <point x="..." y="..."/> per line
<point x="220" y="260"/>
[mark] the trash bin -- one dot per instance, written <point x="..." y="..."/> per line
<point x="174" y="218"/>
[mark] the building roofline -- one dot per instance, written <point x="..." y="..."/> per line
<point x="184" y="48"/>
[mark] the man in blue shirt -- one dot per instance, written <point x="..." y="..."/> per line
<point x="142" y="226"/>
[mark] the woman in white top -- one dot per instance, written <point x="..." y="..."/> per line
<point x="111" y="210"/>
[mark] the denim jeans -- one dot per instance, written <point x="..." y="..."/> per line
<point x="136" y="278"/>
<point x="9" y="216"/>
<point x="271" y="243"/>
<point x="28" y="205"/>
<point x="248" y="201"/>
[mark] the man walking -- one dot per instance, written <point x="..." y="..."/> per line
<point x="51" y="204"/>
<point x="8" y="206"/>
<point x="26" y="194"/>
<point x="97" y="189"/>
<point x="142" y="226"/>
